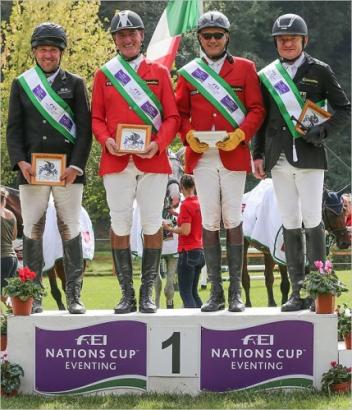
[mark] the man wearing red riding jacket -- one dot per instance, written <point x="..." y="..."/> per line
<point x="132" y="90"/>
<point x="219" y="92"/>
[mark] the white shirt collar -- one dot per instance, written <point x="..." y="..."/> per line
<point x="292" y="68"/>
<point x="52" y="77"/>
<point x="215" y="65"/>
<point x="136" y="62"/>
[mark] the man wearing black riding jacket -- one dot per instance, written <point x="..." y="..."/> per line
<point x="297" y="162"/>
<point x="49" y="114"/>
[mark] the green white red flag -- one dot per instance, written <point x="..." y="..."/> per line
<point x="180" y="16"/>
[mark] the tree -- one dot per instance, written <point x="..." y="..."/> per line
<point x="89" y="47"/>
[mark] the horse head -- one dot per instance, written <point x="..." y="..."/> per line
<point x="14" y="205"/>
<point x="334" y="218"/>
<point x="173" y="197"/>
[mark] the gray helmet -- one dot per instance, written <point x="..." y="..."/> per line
<point x="126" y="19"/>
<point x="49" y="34"/>
<point x="213" y="19"/>
<point x="289" y="24"/>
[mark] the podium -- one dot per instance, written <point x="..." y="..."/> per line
<point x="174" y="351"/>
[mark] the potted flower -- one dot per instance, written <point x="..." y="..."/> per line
<point x="3" y="326"/>
<point x="10" y="377"/>
<point x="344" y="322"/>
<point x="337" y="379"/>
<point x="22" y="289"/>
<point x="323" y="285"/>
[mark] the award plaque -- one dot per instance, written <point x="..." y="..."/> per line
<point x="48" y="169"/>
<point x="133" y="138"/>
<point x="311" y="116"/>
<point x="210" y="137"/>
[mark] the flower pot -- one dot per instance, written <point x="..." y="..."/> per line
<point x="341" y="387"/>
<point x="13" y="393"/>
<point x="325" y="303"/>
<point x="3" y="342"/>
<point x="20" y="307"/>
<point x="348" y="341"/>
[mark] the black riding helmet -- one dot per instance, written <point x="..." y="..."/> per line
<point x="289" y="24"/>
<point x="126" y="19"/>
<point x="49" y="34"/>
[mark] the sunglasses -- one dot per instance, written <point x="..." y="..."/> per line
<point x="208" y="36"/>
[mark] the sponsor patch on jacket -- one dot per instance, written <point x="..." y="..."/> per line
<point x="152" y="82"/>
<point x="237" y="88"/>
<point x="309" y="80"/>
<point x="194" y="92"/>
<point x="64" y="92"/>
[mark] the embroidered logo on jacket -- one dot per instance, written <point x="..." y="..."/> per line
<point x="309" y="80"/>
<point x="152" y="82"/>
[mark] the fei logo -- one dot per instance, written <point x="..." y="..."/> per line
<point x="258" y="340"/>
<point x="92" y="340"/>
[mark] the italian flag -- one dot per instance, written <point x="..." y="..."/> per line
<point x="179" y="17"/>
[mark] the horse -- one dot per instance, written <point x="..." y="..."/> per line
<point x="265" y="213"/>
<point x="53" y="266"/>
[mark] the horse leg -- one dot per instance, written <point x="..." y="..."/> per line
<point x="171" y="263"/>
<point x="246" y="281"/>
<point x="285" y="284"/>
<point x="269" y="278"/>
<point x="54" y="289"/>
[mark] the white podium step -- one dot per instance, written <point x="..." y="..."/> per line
<point x="181" y="350"/>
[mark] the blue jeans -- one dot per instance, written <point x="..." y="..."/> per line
<point x="8" y="269"/>
<point x="189" y="265"/>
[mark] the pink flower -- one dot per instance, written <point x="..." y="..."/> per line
<point x="320" y="266"/>
<point x="333" y="364"/>
<point x="328" y="266"/>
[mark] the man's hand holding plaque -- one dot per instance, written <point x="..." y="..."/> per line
<point x="232" y="140"/>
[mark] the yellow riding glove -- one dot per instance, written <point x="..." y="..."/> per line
<point x="232" y="140"/>
<point x="195" y="144"/>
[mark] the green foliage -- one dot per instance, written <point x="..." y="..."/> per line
<point x="344" y="320"/>
<point x="10" y="376"/>
<point x="335" y="375"/>
<point x="3" y="325"/>
<point x="323" y="283"/>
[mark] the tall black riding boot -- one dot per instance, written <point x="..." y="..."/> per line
<point x="316" y="251"/>
<point x="315" y="244"/>
<point x="123" y="267"/>
<point x="73" y="265"/>
<point x="234" y="247"/>
<point x="150" y="268"/>
<point x="294" y="249"/>
<point x="212" y="253"/>
<point x="33" y="258"/>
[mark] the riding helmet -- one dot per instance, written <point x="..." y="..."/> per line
<point x="213" y="19"/>
<point x="126" y="19"/>
<point x="289" y="24"/>
<point x="49" y="34"/>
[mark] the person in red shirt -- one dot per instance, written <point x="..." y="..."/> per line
<point x="190" y="246"/>
<point x="131" y="90"/>
<point x="219" y="92"/>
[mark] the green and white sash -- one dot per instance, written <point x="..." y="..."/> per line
<point x="51" y="106"/>
<point x="216" y="90"/>
<point x="134" y="90"/>
<point x="284" y="92"/>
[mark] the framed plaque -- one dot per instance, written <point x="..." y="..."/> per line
<point x="210" y="137"/>
<point x="133" y="138"/>
<point x="311" y="115"/>
<point x="48" y="169"/>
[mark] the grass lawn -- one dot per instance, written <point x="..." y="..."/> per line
<point x="103" y="291"/>
<point x="239" y="400"/>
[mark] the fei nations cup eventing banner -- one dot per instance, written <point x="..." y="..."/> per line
<point x="276" y="354"/>
<point x="103" y="356"/>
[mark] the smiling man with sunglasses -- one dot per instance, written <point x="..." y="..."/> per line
<point x="219" y="92"/>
